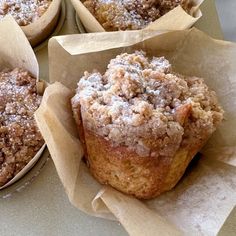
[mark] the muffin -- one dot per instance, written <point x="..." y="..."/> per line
<point x="24" y="12"/>
<point x="37" y="18"/>
<point x="20" y="138"/>
<point x="131" y="14"/>
<point x="141" y="124"/>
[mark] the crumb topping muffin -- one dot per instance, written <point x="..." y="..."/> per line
<point x="138" y="99"/>
<point x="24" y="11"/>
<point x="130" y="14"/>
<point x="141" y="105"/>
<point x="20" y="138"/>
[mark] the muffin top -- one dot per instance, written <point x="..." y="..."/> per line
<point x="20" y="138"/>
<point x="130" y="14"/>
<point x="24" y="11"/>
<point x="140" y="103"/>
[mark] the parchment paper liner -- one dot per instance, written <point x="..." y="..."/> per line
<point x="15" y="51"/>
<point x="176" y="19"/>
<point x="200" y="203"/>
<point x="39" y="30"/>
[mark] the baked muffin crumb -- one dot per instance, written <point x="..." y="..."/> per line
<point x="130" y="14"/>
<point x="20" y="138"/>
<point x="24" y="11"/>
<point x="141" y="124"/>
<point x="140" y="103"/>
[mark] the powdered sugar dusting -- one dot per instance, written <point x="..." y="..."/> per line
<point x="130" y="14"/>
<point x="24" y="11"/>
<point x="20" y="138"/>
<point x="140" y="103"/>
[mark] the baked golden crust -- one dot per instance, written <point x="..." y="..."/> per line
<point x="142" y="177"/>
<point x="125" y="170"/>
<point x="142" y="124"/>
<point x="20" y="138"/>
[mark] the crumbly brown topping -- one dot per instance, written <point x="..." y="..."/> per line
<point x="141" y="104"/>
<point x="20" y="138"/>
<point x="24" y="11"/>
<point x="130" y="14"/>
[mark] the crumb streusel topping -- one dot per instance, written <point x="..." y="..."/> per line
<point x="24" y="11"/>
<point x="130" y="14"/>
<point x="140" y="103"/>
<point x="20" y="138"/>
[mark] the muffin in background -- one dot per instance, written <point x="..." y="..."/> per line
<point x="141" y="124"/>
<point x="20" y="138"/>
<point x="116" y="15"/>
<point x="24" y="12"/>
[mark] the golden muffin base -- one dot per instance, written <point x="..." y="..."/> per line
<point x="142" y="177"/>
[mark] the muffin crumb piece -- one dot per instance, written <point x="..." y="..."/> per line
<point x="130" y="14"/>
<point x="20" y="138"/>
<point x="24" y="11"/>
<point x="141" y="104"/>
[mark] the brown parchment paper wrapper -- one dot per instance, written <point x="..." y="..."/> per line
<point x="203" y="199"/>
<point x="15" y="51"/>
<point x="176" y="19"/>
<point x="39" y="30"/>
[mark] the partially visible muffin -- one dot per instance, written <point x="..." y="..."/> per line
<point x="141" y="123"/>
<point x="24" y="11"/>
<point x="130" y="14"/>
<point x="20" y="138"/>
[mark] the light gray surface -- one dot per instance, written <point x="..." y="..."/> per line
<point x="43" y="208"/>
<point x="209" y="21"/>
<point x="227" y="15"/>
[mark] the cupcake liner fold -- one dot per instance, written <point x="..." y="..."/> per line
<point x="204" y="197"/>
